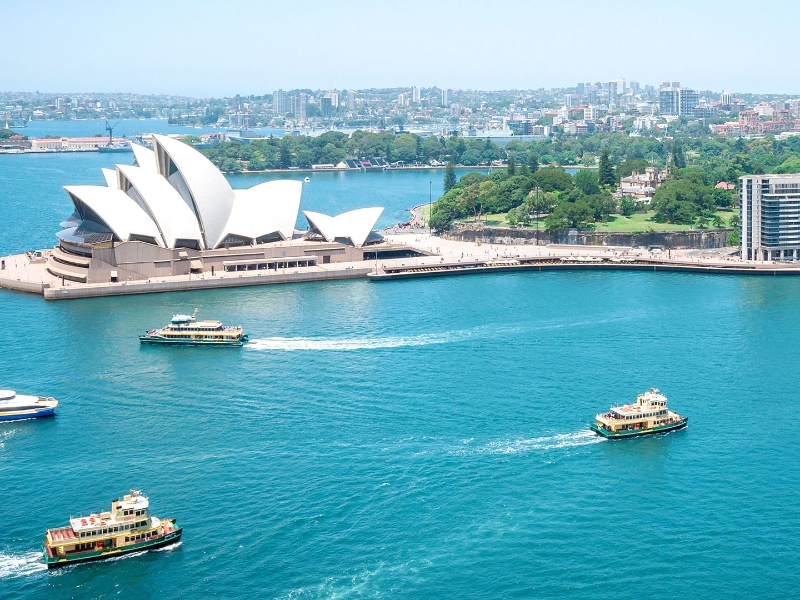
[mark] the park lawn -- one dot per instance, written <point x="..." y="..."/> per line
<point x="636" y="223"/>
<point x="639" y="222"/>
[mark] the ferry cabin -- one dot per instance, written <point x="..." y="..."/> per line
<point x="650" y="411"/>
<point x="128" y="522"/>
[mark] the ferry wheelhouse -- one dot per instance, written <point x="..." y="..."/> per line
<point x="648" y="415"/>
<point x="14" y="407"/>
<point x="127" y="527"/>
<point x="187" y="330"/>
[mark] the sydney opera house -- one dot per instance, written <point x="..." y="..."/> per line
<point x="174" y="213"/>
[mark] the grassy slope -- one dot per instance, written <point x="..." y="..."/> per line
<point x="636" y="223"/>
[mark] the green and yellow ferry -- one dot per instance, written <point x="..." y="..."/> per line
<point x="648" y="415"/>
<point x="127" y="527"/>
<point x="186" y="330"/>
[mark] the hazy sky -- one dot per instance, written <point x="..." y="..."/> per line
<point x="212" y="48"/>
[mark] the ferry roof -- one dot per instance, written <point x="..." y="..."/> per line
<point x="7" y="394"/>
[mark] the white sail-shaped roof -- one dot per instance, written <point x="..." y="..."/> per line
<point x="110" y="176"/>
<point x="264" y="209"/>
<point x="173" y="217"/>
<point x="145" y="157"/>
<point x="355" y="225"/>
<point x="115" y="209"/>
<point x="199" y="183"/>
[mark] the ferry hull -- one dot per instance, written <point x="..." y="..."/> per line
<point x="144" y="339"/>
<point x="618" y="435"/>
<point x="27" y="414"/>
<point x="93" y="555"/>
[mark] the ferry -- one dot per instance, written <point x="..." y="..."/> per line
<point x="187" y="330"/>
<point x="648" y="415"/>
<point x="127" y="527"/>
<point x="14" y="407"/>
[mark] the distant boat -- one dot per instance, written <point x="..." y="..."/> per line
<point x="115" y="148"/>
<point x="15" y="407"/>
<point x="307" y="179"/>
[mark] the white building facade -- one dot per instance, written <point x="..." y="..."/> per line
<point x="770" y="217"/>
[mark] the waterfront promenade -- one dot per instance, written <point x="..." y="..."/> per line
<point x="24" y="272"/>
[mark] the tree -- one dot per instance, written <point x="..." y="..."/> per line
<point x="568" y="214"/>
<point x="606" y="171"/>
<point x="678" y="158"/>
<point x="512" y="166"/>
<point x="285" y="154"/>
<point x="449" y="177"/>
<point x="734" y="238"/>
<point x="533" y="162"/>
<point x="717" y="221"/>
<point x="627" y="206"/>
<point x="734" y="221"/>
<point x="552" y="180"/>
<point x="587" y="181"/>
<point x="627" y="168"/>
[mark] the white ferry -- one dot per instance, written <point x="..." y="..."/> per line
<point x="648" y="415"/>
<point x="14" y="407"/>
<point x="186" y="330"/>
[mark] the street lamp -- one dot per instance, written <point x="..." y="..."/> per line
<point x="430" y="206"/>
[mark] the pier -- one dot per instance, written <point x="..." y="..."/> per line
<point x="436" y="257"/>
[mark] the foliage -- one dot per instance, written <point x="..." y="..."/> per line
<point x="587" y="181"/>
<point x="627" y="168"/>
<point x="734" y="238"/>
<point x="449" y="177"/>
<point x="552" y="180"/>
<point x="605" y="173"/>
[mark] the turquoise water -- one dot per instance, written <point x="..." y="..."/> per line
<point x="126" y="127"/>
<point x="414" y="439"/>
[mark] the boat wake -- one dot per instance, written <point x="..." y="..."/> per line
<point x="21" y="565"/>
<point x="170" y="547"/>
<point x="551" y="442"/>
<point x="363" y="343"/>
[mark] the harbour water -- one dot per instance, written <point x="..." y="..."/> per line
<point x="415" y="439"/>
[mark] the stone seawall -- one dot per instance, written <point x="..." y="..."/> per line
<point x="707" y="238"/>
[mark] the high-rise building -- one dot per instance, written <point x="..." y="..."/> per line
<point x="634" y="87"/>
<point x="334" y="96"/>
<point x="590" y="113"/>
<point x="770" y="217"/>
<point x="351" y="99"/>
<point x="279" y="102"/>
<point x="592" y="97"/>
<point x="725" y="98"/>
<point x="445" y="103"/>
<point x="298" y="105"/>
<point x="326" y="107"/>
<point x="677" y="101"/>
<point x="415" y="95"/>
<point x="568" y="100"/>
<point x="612" y="93"/>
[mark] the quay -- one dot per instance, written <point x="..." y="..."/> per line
<point x="427" y="256"/>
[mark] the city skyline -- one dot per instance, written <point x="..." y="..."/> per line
<point x="419" y="44"/>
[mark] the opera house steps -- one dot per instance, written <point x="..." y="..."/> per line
<point x="70" y="259"/>
<point x="69" y="272"/>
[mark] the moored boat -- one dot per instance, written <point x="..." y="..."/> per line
<point x="649" y="414"/>
<point x="15" y="407"/>
<point x="186" y="330"/>
<point x="127" y="527"/>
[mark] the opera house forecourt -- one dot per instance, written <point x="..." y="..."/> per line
<point x="174" y="222"/>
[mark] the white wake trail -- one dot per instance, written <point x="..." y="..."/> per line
<point x="20" y="565"/>
<point x="551" y="442"/>
<point x="361" y="343"/>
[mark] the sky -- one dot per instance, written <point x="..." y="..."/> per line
<point x="205" y="48"/>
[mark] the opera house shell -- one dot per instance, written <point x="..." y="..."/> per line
<point x="175" y="206"/>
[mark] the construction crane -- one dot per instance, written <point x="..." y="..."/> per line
<point x="110" y="130"/>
